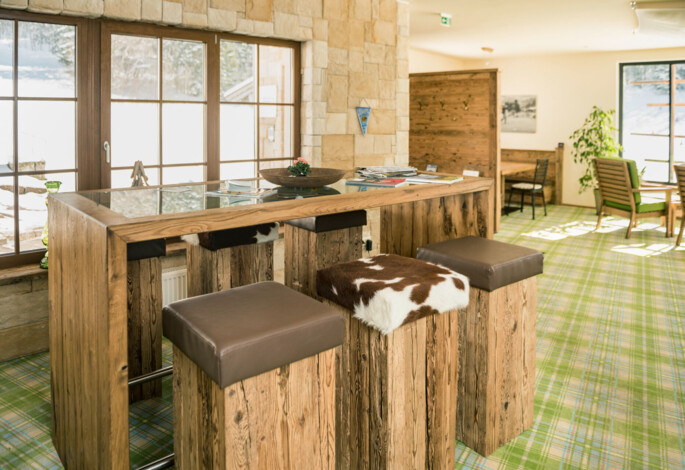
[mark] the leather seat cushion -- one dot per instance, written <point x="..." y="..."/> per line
<point x="488" y="264"/>
<point x="239" y="333"/>
<point x="326" y="223"/>
<point x="147" y="249"/>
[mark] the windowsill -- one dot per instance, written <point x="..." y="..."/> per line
<point x="25" y="270"/>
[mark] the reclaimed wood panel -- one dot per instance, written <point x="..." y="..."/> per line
<point x="306" y="252"/>
<point x="495" y="399"/>
<point x="555" y="172"/>
<point x="388" y="381"/>
<point x="87" y="283"/>
<point x="283" y="418"/>
<point x="454" y="123"/>
<point x="144" y="282"/>
<point x="213" y="271"/>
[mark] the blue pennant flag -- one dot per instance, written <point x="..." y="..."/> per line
<point x="363" y="114"/>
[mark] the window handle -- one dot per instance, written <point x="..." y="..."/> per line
<point x="108" y="150"/>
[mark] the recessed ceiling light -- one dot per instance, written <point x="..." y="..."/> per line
<point x="489" y="50"/>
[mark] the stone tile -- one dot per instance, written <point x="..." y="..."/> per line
<point x="337" y="56"/>
<point x="259" y="10"/>
<point x="338" y="151"/>
<point x="310" y="8"/>
<point x="364" y="144"/>
<point x="369" y="160"/>
<point x="233" y="5"/>
<point x="319" y="54"/>
<point x="355" y="60"/>
<point x="388" y="10"/>
<point x="337" y="91"/>
<point x="335" y="9"/>
<point x="245" y="26"/>
<point x="87" y="7"/>
<point x="194" y="20"/>
<point x="360" y="9"/>
<point x="14" y="4"/>
<point x="222" y="20"/>
<point x="383" y="32"/>
<point x="387" y="72"/>
<point x="285" y="6"/>
<point x="195" y="6"/>
<point x="320" y="29"/>
<point x="383" y="122"/>
<point x="356" y="30"/>
<point x="387" y="89"/>
<point x="121" y="9"/>
<point x="338" y="33"/>
<point x="363" y="85"/>
<point x="47" y="6"/>
<point x="336" y="123"/>
<point x="263" y="28"/>
<point x="383" y="144"/>
<point x="285" y="25"/>
<point x="172" y="12"/>
<point x="151" y="10"/>
<point x="375" y="53"/>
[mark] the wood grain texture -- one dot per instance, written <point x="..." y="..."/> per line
<point x="283" y="418"/>
<point x="405" y="227"/>
<point x="454" y="123"/>
<point x="497" y="362"/>
<point x="395" y="396"/>
<point x="89" y="377"/>
<point x="144" y="282"/>
<point x="213" y="271"/>
<point x="306" y="252"/>
<point x="554" y="181"/>
<point x="23" y="340"/>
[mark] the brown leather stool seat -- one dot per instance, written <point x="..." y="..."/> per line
<point x="239" y="356"/>
<point x="488" y="264"/>
<point x="496" y="338"/>
<point x="314" y="243"/>
<point x="144" y="273"/>
<point x="326" y="223"/>
<point x="235" y="257"/>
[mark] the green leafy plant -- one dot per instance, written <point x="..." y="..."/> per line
<point x="595" y="139"/>
<point x="300" y="167"/>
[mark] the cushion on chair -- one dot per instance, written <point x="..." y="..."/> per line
<point x="634" y="177"/>
<point x="488" y="264"/>
<point x="220" y="239"/>
<point x="642" y="208"/>
<point x="526" y="186"/>
<point x="388" y="291"/>
<point x="147" y="249"/>
<point x="326" y="223"/>
<point x="242" y="332"/>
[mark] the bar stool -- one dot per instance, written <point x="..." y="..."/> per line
<point x="224" y="259"/>
<point x="496" y="338"/>
<point x="254" y="379"/>
<point x="397" y="370"/>
<point x="144" y="280"/>
<point x="314" y="243"/>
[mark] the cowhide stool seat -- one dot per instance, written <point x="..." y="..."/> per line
<point x="230" y="258"/>
<point x="254" y="379"/>
<point x="314" y="243"/>
<point x="397" y="370"/>
<point x="144" y="281"/>
<point x="496" y="338"/>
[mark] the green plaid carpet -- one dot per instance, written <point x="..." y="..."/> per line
<point x="610" y="383"/>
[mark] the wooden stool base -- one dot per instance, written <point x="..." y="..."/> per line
<point x="497" y="363"/>
<point x="144" y="280"/>
<point x="306" y="252"/>
<point x="395" y="399"/>
<point x="213" y="271"/>
<point x="284" y="418"/>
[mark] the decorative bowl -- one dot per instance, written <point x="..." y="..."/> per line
<point x="317" y="177"/>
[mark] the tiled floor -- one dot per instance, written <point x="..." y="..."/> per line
<point x="610" y="382"/>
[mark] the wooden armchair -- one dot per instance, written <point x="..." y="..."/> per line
<point x="621" y="194"/>
<point x="680" y="175"/>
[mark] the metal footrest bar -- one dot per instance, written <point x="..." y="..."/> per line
<point x="164" y="462"/>
<point x="157" y="374"/>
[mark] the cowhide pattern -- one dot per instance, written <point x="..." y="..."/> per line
<point x="388" y="291"/>
<point x="219" y="239"/>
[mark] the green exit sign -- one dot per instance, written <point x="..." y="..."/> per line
<point x="446" y="19"/>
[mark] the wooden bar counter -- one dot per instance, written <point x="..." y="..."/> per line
<point x="88" y="292"/>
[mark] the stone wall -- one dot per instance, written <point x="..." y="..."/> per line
<point x="354" y="52"/>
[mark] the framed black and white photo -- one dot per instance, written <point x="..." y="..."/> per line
<point x="519" y="113"/>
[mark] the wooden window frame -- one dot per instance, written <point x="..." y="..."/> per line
<point x="92" y="172"/>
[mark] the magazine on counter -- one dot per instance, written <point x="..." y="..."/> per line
<point x="377" y="183"/>
<point x="423" y="179"/>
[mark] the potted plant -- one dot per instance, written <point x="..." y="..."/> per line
<point x="595" y="138"/>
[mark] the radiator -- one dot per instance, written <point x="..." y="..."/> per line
<point x="174" y="285"/>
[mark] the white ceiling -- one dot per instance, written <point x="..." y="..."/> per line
<point x="518" y="27"/>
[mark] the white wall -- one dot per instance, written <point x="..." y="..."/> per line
<point x="567" y="86"/>
<point x="423" y="61"/>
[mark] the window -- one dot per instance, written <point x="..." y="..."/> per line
<point x="191" y="105"/>
<point x="38" y="132"/>
<point x="652" y="117"/>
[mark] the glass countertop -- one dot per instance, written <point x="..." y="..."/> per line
<point x="145" y="202"/>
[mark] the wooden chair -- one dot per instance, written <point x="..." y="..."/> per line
<point x="680" y="175"/>
<point x="537" y="186"/>
<point x="621" y="194"/>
